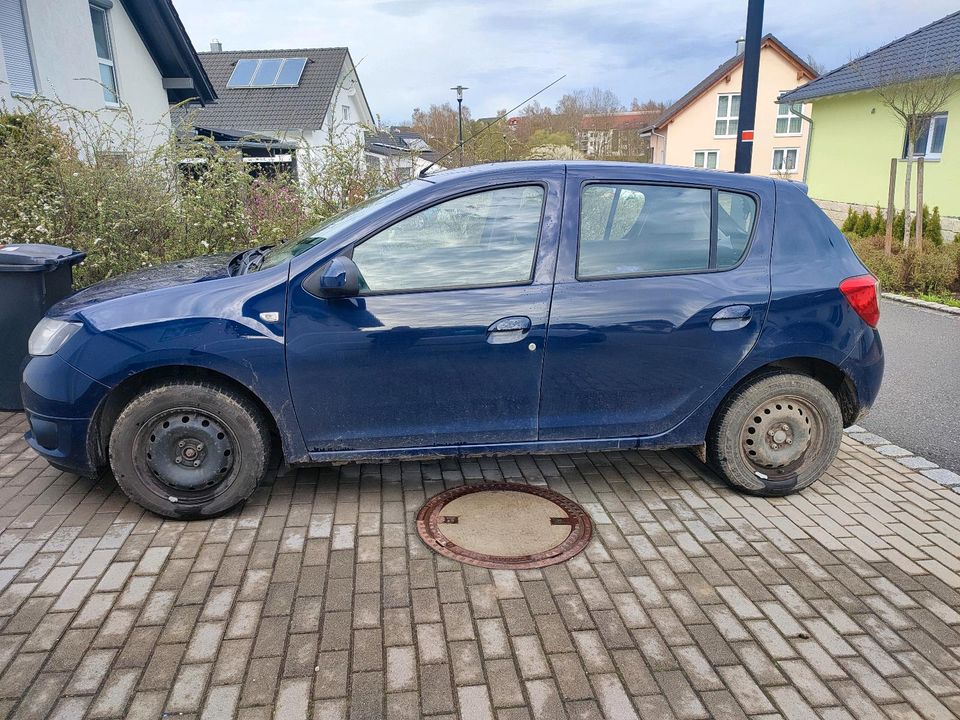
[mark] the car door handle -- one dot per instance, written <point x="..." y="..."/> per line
<point x="732" y="317"/>
<point x="508" y="330"/>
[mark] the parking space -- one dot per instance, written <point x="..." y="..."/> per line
<point x="317" y="599"/>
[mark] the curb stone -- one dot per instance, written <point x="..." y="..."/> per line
<point x="928" y="469"/>
<point x="940" y="307"/>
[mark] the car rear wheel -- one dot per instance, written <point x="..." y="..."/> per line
<point x="189" y="449"/>
<point x="776" y="435"/>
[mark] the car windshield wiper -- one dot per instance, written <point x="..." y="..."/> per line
<point x="250" y="261"/>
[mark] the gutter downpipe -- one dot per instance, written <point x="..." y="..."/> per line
<point x="806" y="157"/>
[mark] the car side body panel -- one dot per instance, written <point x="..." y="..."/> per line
<point x="419" y="368"/>
<point x="634" y="356"/>
<point x="213" y="325"/>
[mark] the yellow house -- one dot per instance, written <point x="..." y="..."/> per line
<point x="700" y="129"/>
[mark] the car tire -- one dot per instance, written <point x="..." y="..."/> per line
<point x="189" y="449"/>
<point x="775" y="435"/>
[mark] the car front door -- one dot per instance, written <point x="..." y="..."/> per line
<point x="444" y="344"/>
<point x="661" y="292"/>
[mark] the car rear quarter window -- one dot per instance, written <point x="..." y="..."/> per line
<point x="736" y="214"/>
<point x="485" y="239"/>
<point x="629" y="230"/>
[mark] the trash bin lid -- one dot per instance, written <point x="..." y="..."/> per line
<point x="32" y="257"/>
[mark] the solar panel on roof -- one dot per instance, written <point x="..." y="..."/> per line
<point x="291" y="71"/>
<point x="267" y="72"/>
<point x="243" y="73"/>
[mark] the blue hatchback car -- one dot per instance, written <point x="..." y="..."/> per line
<point x="510" y="308"/>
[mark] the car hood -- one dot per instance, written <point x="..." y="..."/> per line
<point x="181" y="272"/>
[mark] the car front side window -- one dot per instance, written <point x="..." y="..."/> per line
<point x="485" y="239"/>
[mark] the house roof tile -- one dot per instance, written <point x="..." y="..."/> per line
<point x="271" y="108"/>
<point x="930" y="50"/>
<point x="632" y="120"/>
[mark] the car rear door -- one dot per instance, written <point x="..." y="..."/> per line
<point x="444" y="346"/>
<point x="661" y="290"/>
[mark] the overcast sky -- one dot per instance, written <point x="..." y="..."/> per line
<point x="411" y="51"/>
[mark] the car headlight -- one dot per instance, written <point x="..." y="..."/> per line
<point x="50" y="335"/>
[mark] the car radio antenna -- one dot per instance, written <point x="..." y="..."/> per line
<point x="488" y="126"/>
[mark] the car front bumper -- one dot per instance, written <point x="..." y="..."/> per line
<point x="60" y="403"/>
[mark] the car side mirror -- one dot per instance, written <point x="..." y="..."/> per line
<point x="338" y="278"/>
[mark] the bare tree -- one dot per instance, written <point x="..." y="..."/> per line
<point x="913" y="100"/>
<point x="818" y="67"/>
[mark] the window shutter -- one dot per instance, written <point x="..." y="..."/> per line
<point x="16" y="48"/>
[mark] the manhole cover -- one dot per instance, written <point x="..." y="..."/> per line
<point x="504" y="525"/>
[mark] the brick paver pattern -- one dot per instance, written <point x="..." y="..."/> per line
<point x="317" y="599"/>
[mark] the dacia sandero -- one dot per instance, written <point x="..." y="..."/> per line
<point x="543" y="307"/>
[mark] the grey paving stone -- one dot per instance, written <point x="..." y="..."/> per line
<point x="316" y="598"/>
<point x="943" y="477"/>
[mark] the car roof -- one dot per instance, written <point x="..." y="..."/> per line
<point x="600" y="170"/>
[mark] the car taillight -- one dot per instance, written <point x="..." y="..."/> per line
<point x="863" y="294"/>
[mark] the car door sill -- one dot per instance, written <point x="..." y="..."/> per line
<point x="440" y="451"/>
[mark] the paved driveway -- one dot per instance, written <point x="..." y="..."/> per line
<point x="318" y="600"/>
<point x="919" y="403"/>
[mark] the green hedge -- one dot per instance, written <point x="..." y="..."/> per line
<point x="86" y="181"/>
<point x="934" y="271"/>
<point x="866" y="224"/>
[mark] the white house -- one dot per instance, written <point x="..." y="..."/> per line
<point x="398" y="152"/>
<point x="101" y="56"/>
<point x="283" y="106"/>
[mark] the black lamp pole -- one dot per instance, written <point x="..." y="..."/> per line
<point x="748" y="87"/>
<point x="460" y="89"/>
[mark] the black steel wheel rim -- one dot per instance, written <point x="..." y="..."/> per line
<point x="780" y="435"/>
<point x="186" y="454"/>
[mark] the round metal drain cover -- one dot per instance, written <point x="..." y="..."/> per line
<point x="504" y="525"/>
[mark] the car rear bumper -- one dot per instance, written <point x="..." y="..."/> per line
<point x="864" y="366"/>
<point x="60" y="403"/>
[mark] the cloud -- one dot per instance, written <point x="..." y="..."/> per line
<point x="412" y="51"/>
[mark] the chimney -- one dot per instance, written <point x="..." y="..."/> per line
<point x="217" y="46"/>
<point x="741" y="43"/>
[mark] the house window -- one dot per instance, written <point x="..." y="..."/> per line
<point x="929" y="142"/>
<point x="705" y="159"/>
<point x="16" y="48"/>
<point x="345" y="113"/>
<point x="784" y="160"/>
<point x="101" y="38"/>
<point x="787" y="122"/>
<point x="728" y="114"/>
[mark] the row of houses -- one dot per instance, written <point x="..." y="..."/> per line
<point x="830" y="131"/>
<point x="281" y="107"/>
<point x="131" y="61"/>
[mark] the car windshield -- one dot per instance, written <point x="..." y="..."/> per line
<point x="314" y="236"/>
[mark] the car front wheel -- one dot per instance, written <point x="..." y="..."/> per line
<point x="775" y="435"/>
<point x="189" y="449"/>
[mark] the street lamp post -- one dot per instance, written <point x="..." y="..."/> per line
<point x="460" y="89"/>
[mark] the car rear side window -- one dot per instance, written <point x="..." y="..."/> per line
<point x="484" y="239"/>
<point x="628" y="230"/>
<point x="640" y="229"/>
